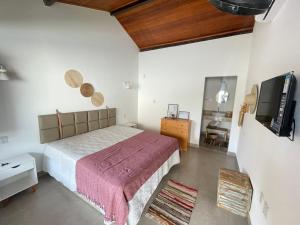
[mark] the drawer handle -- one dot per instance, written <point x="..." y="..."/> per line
<point x="4" y="164"/>
<point x="16" y="166"/>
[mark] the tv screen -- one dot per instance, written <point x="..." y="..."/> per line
<point x="275" y="104"/>
<point x="269" y="100"/>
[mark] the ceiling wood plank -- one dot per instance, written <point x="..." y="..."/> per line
<point x="128" y="7"/>
<point x="163" y="23"/>
<point x="198" y="39"/>
<point x="106" y="5"/>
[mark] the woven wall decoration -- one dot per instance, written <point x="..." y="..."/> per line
<point x="73" y="78"/>
<point x="87" y="90"/>
<point x="97" y="99"/>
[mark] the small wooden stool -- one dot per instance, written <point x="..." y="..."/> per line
<point x="220" y="142"/>
<point x="211" y="138"/>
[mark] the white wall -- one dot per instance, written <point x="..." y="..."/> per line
<point x="273" y="163"/>
<point x="177" y="75"/>
<point x="38" y="44"/>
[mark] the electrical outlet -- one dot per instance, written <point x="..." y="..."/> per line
<point x="266" y="209"/>
<point x="4" y="139"/>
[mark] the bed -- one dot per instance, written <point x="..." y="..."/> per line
<point x="80" y="136"/>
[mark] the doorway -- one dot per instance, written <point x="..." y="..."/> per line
<point x="218" y="102"/>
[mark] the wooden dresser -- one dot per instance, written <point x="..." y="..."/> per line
<point x="177" y="128"/>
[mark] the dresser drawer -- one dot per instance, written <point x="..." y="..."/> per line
<point x="171" y="123"/>
<point x="14" y="168"/>
<point x="177" y="132"/>
<point x="177" y="128"/>
<point x="170" y="133"/>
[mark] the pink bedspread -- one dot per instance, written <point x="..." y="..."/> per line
<point x="111" y="177"/>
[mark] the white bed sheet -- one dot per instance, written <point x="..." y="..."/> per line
<point x="60" y="159"/>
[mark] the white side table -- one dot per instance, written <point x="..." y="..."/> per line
<point x="17" y="174"/>
<point x="130" y="124"/>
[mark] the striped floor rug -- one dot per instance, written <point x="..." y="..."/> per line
<point x="173" y="205"/>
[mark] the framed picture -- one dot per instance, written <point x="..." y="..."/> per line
<point x="172" y="110"/>
<point x="184" y="115"/>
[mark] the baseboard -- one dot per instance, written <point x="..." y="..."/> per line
<point x="41" y="173"/>
<point x="233" y="154"/>
<point x="249" y="220"/>
<point x="194" y="145"/>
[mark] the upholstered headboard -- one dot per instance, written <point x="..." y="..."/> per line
<point x="49" y="128"/>
<point x="98" y="119"/>
<point x="59" y="126"/>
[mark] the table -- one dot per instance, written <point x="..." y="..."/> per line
<point x="217" y="130"/>
<point x="17" y="174"/>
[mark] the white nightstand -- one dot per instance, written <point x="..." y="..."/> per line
<point x="130" y="124"/>
<point x="17" y="174"/>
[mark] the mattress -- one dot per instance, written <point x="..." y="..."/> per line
<point x="60" y="159"/>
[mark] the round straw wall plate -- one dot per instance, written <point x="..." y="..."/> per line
<point x="254" y="93"/>
<point x="97" y="99"/>
<point x="251" y="99"/>
<point x="73" y="78"/>
<point x="87" y="90"/>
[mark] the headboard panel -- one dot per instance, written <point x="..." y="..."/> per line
<point x="62" y="125"/>
<point x="49" y="128"/>
<point x="81" y="122"/>
<point x="103" y="118"/>
<point x="93" y="118"/>
<point x="67" y="124"/>
<point x="112" y="115"/>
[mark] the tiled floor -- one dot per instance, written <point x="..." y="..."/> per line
<point x="52" y="204"/>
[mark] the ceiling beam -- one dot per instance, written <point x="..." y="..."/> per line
<point x="128" y="7"/>
<point x="49" y="2"/>
<point x="198" y="39"/>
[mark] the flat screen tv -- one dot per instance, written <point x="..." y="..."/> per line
<point x="276" y="105"/>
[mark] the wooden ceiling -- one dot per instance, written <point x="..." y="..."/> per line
<point x="106" y="5"/>
<point x="161" y="23"/>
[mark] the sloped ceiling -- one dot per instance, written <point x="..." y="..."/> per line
<point x="161" y="23"/>
<point x="106" y="5"/>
